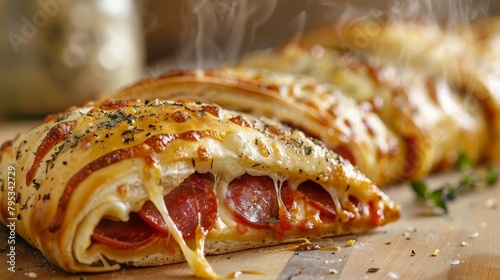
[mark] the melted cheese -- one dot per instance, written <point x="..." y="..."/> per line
<point x="195" y="258"/>
<point x="220" y="224"/>
<point x="226" y="224"/>
<point x="278" y="183"/>
<point x="283" y="212"/>
<point x="341" y="213"/>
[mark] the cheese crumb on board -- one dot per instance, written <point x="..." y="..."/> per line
<point x="350" y="242"/>
<point x="435" y="253"/>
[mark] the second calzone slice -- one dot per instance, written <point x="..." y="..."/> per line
<point x="141" y="183"/>
<point x="457" y="54"/>
<point x="436" y="121"/>
<point x="319" y="109"/>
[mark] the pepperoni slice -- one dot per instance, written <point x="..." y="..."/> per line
<point x="254" y="201"/>
<point x="132" y="234"/>
<point x="317" y="196"/>
<point x="355" y="201"/>
<point x="191" y="197"/>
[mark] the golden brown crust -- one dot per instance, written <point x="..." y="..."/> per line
<point x="431" y="117"/>
<point x="456" y="56"/>
<point x="150" y="147"/>
<point x="319" y="109"/>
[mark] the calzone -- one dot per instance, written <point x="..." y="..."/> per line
<point x="467" y="61"/>
<point x="436" y="121"/>
<point x="152" y="182"/>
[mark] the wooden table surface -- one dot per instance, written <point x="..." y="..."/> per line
<point x="473" y="217"/>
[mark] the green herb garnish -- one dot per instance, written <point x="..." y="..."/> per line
<point x="491" y="175"/>
<point x="435" y="197"/>
<point x="463" y="162"/>
<point x="420" y="189"/>
<point x="449" y="191"/>
<point x="439" y="199"/>
<point x="468" y="180"/>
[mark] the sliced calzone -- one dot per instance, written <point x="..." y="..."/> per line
<point x="436" y="122"/>
<point x="319" y="109"/>
<point x="459" y="55"/>
<point x="141" y="183"/>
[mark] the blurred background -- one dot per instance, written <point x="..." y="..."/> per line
<point x="60" y="53"/>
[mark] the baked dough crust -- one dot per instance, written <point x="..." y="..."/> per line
<point x="458" y="55"/>
<point x="321" y="110"/>
<point x="436" y="121"/>
<point x="107" y="159"/>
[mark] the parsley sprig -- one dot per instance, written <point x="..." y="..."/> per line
<point x="449" y="191"/>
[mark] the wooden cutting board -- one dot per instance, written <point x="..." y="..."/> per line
<point x="385" y="253"/>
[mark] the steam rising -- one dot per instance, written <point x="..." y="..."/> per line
<point x="214" y="31"/>
<point x="449" y="13"/>
<point x="219" y="31"/>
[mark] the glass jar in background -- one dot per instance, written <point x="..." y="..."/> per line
<point x="58" y="53"/>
